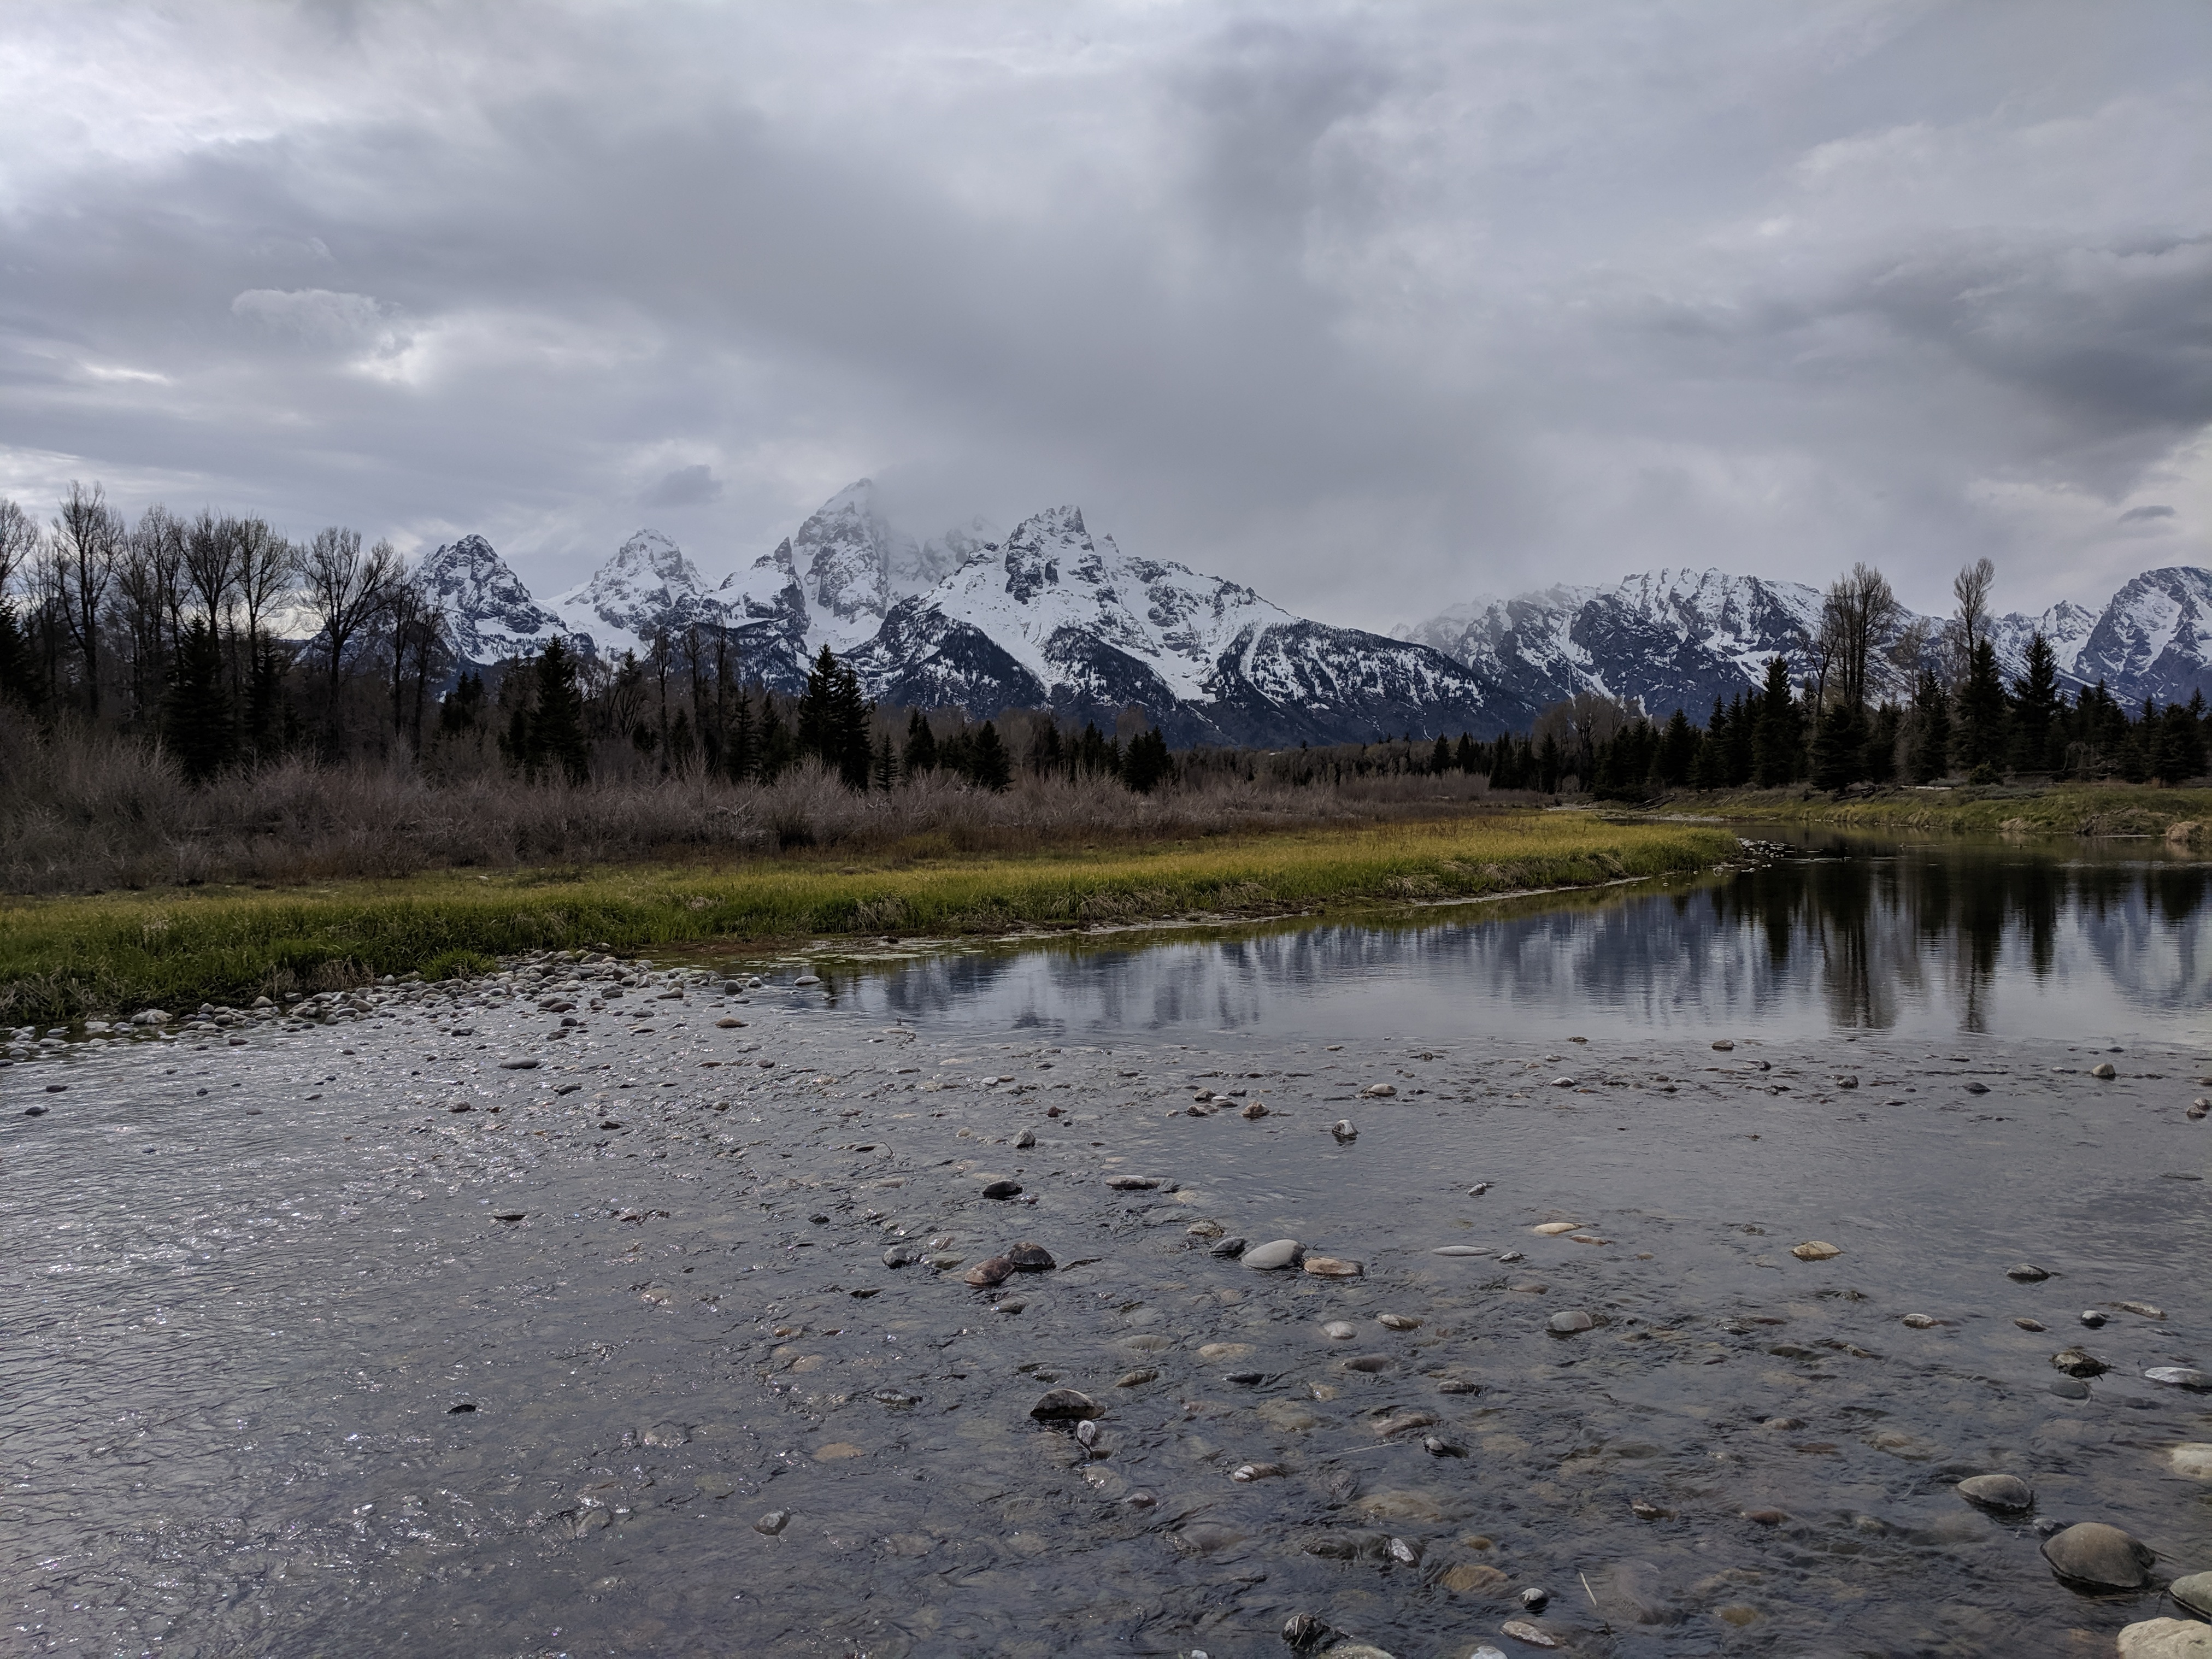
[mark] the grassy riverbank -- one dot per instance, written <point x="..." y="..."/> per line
<point x="2096" y="809"/>
<point x="65" y="957"/>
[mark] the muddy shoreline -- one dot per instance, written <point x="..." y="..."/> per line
<point x="286" y="1380"/>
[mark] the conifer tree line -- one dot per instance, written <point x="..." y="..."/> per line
<point x="232" y="645"/>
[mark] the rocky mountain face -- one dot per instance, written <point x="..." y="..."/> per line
<point x="491" y="613"/>
<point x="1054" y="616"/>
<point x="1678" y="639"/>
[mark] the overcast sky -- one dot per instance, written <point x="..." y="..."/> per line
<point x="1374" y="307"/>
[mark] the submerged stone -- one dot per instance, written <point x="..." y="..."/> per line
<point x="2095" y="1556"/>
<point x="1997" y="1492"/>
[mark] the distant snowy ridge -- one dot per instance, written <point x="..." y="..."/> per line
<point x="1678" y="639"/>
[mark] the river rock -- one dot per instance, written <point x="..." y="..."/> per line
<point x="1379" y="1090"/>
<point x="1459" y="1250"/>
<point x="1920" y="1321"/>
<point x="1534" y="1635"/>
<point x="2070" y="1388"/>
<point x="1339" y="1330"/>
<point x="1138" y="1378"/>
<point x="1254" y="1112"/>
<point x="1331" y="1267"/>
<point x="1395" y="1322"/>
<point x="1003" y="1189"/>
<point x="2194" y="1592"/>
<point x="2104" y="1070"/>
<point x="2192" y="1458"/>
<point x="1065" y="1406"/>
<point x="995" y="1271"/>
<point x="1229" y="1248"/>
<point x="773" y="1523"/>
<point x="2003" y="1492"/>
<point x="1031" y="1258"/>
<point x="1570" y="1322"/>
<point x="2079" y="1362"/>
<point x="1554" y="1228"/>
<point x="2031" y="1324"/>
<point x="1343" y="1131"/>
<point x="1815" y="1249"/>
<point x="2092" y="1318"/>
<point x="1276" y="1254"/>
<point x="2097" y="1556"/>
<point x="1129" y="1183"/>
<point x="1724" y="1045"/>
<point x="1245" y="1474"/>
<point x="1024" y="1140"/>
<point x="2144" y="1310"/>
<point x="2166" y="1638"/>
<point x="2199" y="1108"/>
<point x="2180" y="1376"/>
<point x="2026" y="1273"/>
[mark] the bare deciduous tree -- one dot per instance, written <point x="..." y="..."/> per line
<point x="211" y="562"/>
<point x="346" y="589"/>
<point x="149" y="594"/>
<point x="81" y="557"/>
<point x="1858" y="617"/>
<point x="1971" y="587"/>
<point x="19" y="541"/>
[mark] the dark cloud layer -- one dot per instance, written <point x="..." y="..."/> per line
<point x="1372" y="308"/>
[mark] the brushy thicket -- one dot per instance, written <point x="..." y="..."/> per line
<point x="87" y="811"/>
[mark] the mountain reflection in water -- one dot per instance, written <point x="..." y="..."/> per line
<point x="2066" y="939"/>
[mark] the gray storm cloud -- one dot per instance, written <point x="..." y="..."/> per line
<point x="1371" y="308"/>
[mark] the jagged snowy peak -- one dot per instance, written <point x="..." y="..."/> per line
<point x="648" y="586"/>
<point x="1055" y="616"/>
<point x="489" y="609"/>
<point x="2067" y="626"/>
<point x="2154" y="639"/>
<point x="853" y="564"/>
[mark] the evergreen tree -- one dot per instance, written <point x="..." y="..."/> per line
<point x="2035" y="705"/>
<point x="1878" y="759"/>
<point x="1146" y="765"/>
<point x="461" y="708"/>
<point x="1779" y="736"/>
<point x="817" y="712"/>
<point x="20" y="681"/>
<point x="1931" y="755"/>
<point x="1463" y="753"/>
<point x="557" y="738"/>
<point x="921" y="746"/>
<point x="778" y="749"/>
<point x="851" y="717"/>
<point x="1551" y="765"/>
<point x="741" y="749"/>
<point x="197" y="716"/>
<point x="886" y="765"/>
<point x="1839" y="747"/>
<point x="1440" y="757"/>
<point x="1678" y="751"/>
<point x="1979" y="737"/>
<point x="990" y="765"/>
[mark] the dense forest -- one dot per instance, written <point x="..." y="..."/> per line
<point x="228" y="647"/>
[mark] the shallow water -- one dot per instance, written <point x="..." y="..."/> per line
<point x="246" y="1287"/>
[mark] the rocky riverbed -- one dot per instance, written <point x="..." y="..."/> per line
<point x="590" y="1310"/>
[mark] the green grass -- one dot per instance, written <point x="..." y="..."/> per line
<point x="65" y="957"/>
<point x="2056" y="810"/>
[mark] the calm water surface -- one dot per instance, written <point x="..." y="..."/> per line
<point x="2091" y="941"/>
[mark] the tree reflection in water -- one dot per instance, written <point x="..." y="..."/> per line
<point x="2060" y="939"/>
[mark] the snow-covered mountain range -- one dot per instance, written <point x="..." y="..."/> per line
<point x="1054" y="615"/>
<point x="1044" y="617"/>
<point x="1678" y="639"/>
